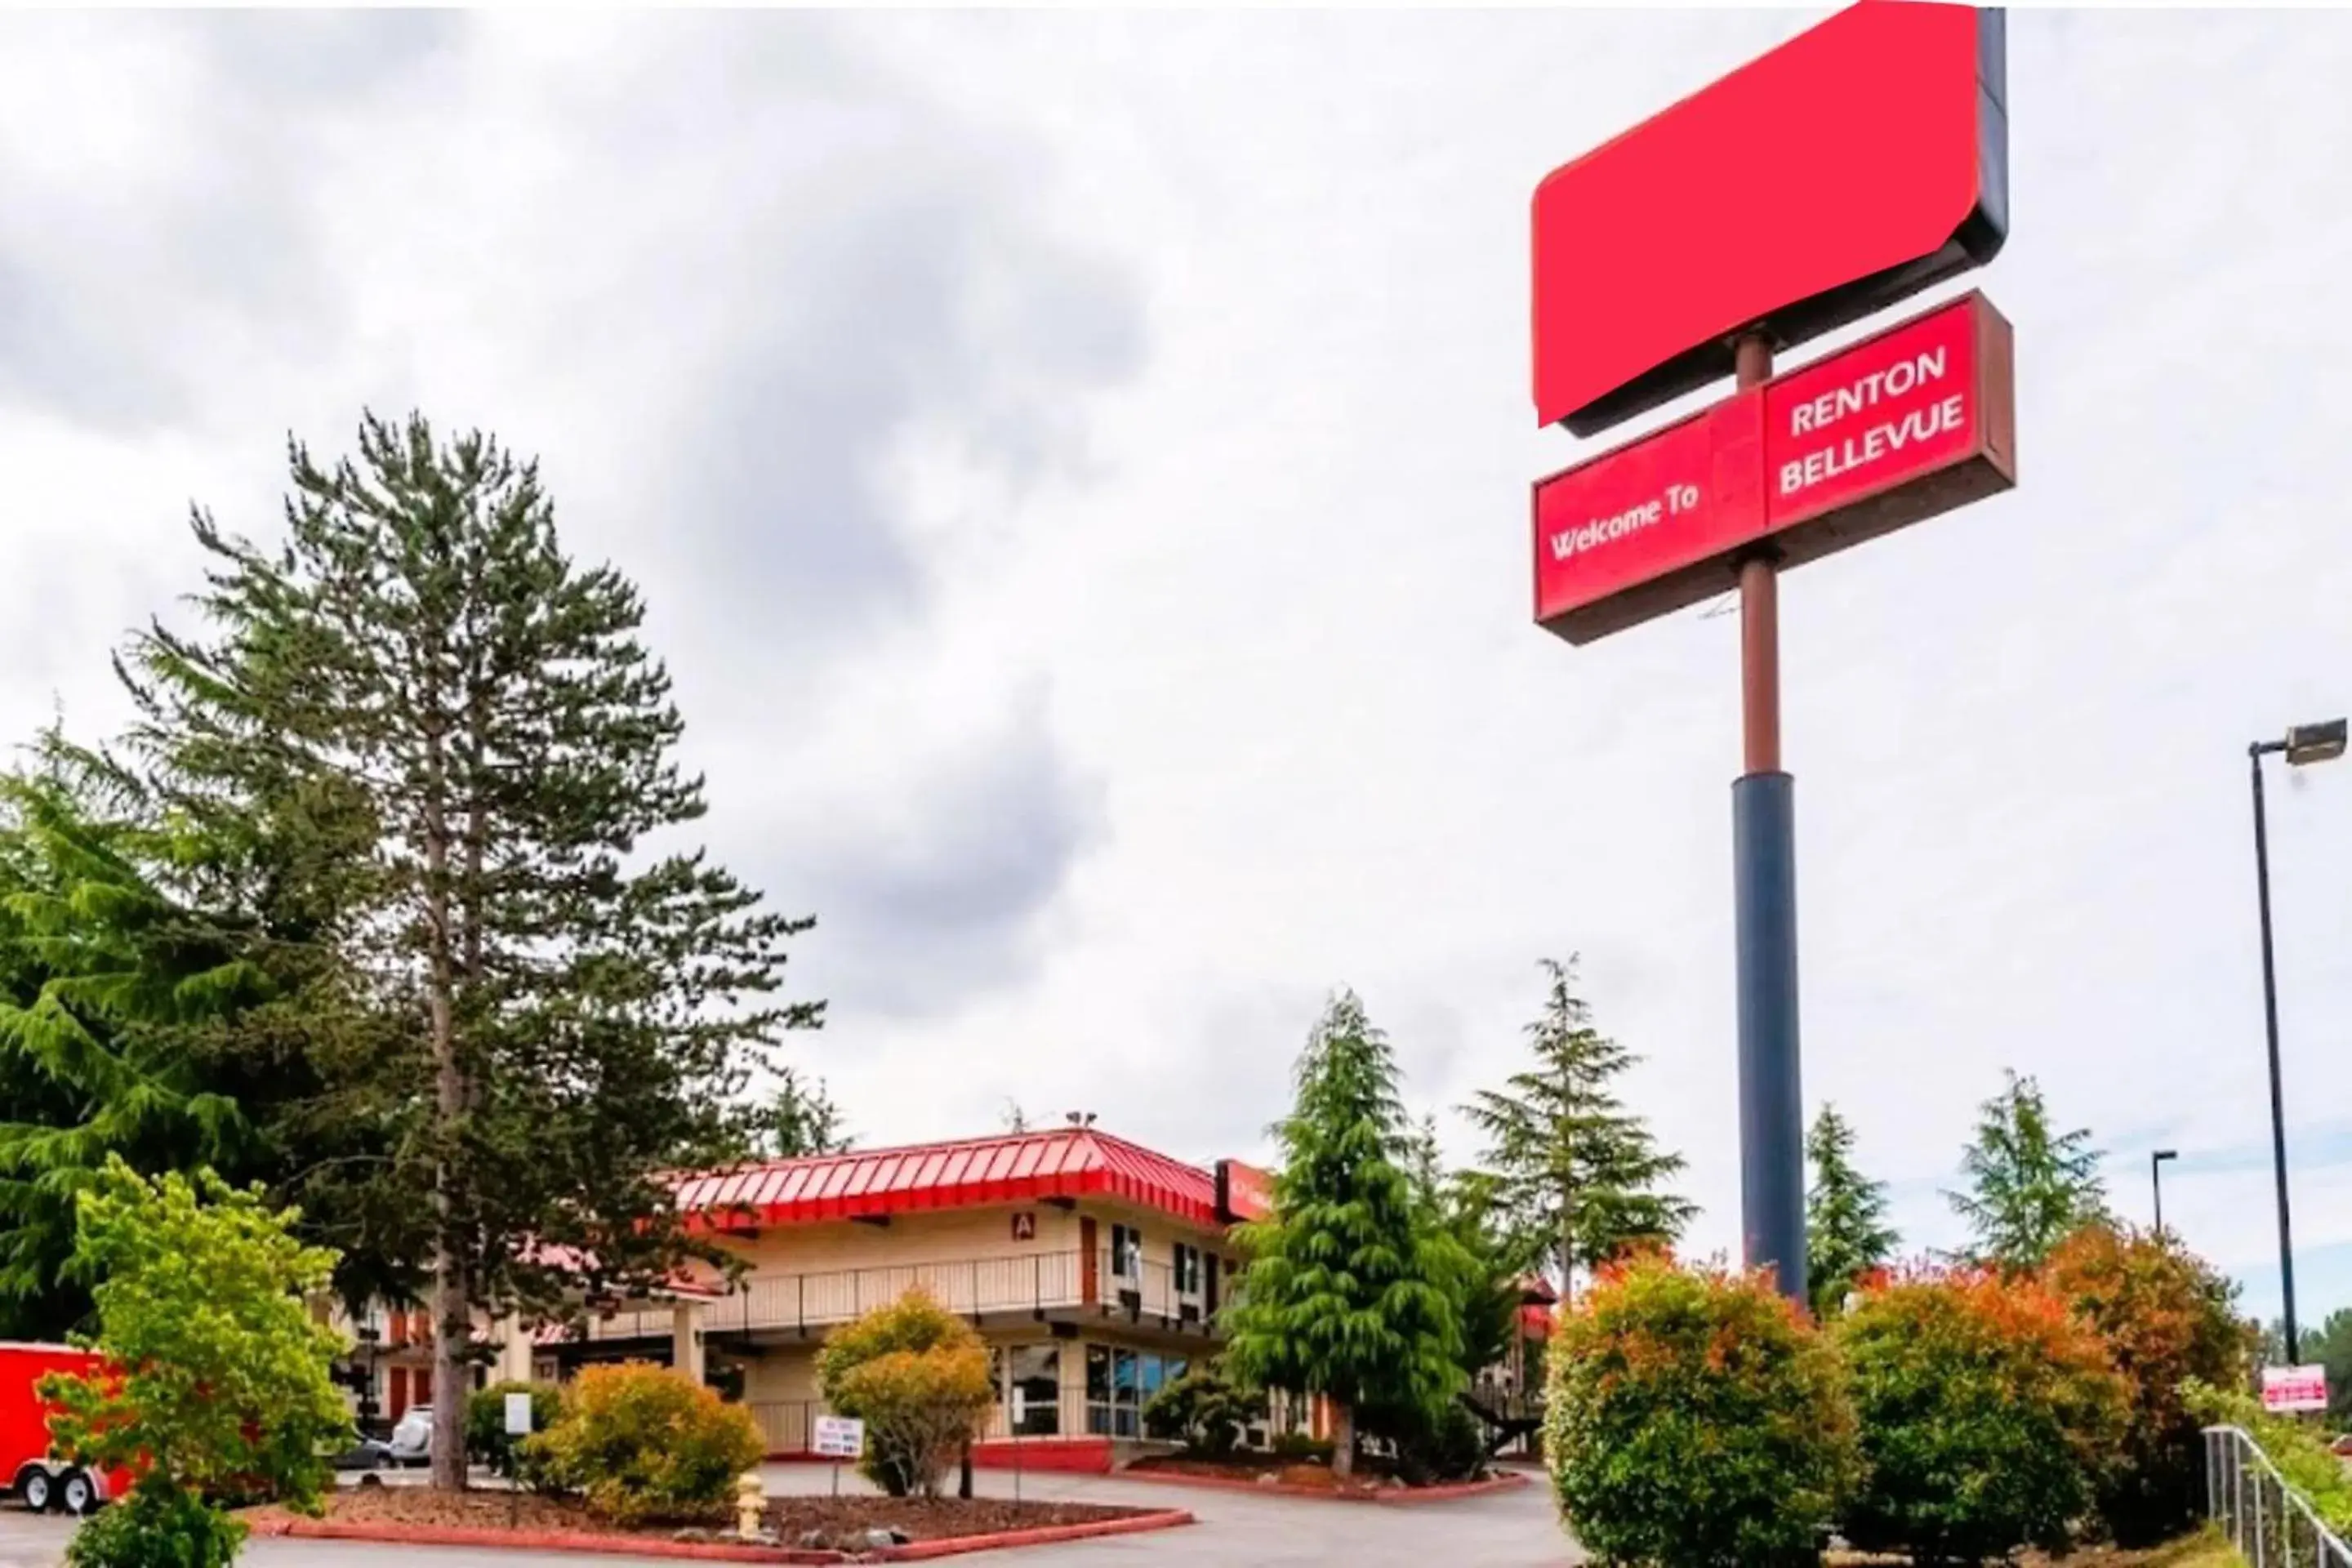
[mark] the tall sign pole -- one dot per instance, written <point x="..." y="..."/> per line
<point x="1764" y="884"/>
<point x="1860" y="162"/>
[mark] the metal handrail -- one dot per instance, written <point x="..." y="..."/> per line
<point x="1028" y="1282"/>
<point x="2284" y="1533"/>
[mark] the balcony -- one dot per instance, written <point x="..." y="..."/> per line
<point x="1036" y="1285"/>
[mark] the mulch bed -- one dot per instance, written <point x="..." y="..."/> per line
<point x="823" y="1522"/>
<point x="797" y="1519"/>
<point x="1291" y="1475"/>
<point x="1254" y="1468"/>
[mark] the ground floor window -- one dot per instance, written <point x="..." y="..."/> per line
<point x="1035" y="1375"/>
<point x="1119" y="1382"/>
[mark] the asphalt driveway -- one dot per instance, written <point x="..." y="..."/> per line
<point x="1502" y="1530"/>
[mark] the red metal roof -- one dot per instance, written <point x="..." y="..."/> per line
<point x="1021" y="1167"/>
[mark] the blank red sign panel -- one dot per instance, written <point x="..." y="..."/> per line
<point x="1844" y="170"/>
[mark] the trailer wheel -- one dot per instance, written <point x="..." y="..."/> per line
<point x="75" y="1495"/>
<point x="35" y="1488"/>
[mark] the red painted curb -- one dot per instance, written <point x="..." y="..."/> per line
<point x="702" y="1551"/>
<point x="1388" y="1496"/>
<point x="1039" y="1535"/>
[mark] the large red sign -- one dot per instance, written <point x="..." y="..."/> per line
<point x="1900" y="426"/>
<point x="1244" y="1192"/>
<point x="1846" y="169"/>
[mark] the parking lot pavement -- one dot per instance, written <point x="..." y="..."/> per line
<point x="1502" y="1530"/>
<point x="1513" y="1529"/>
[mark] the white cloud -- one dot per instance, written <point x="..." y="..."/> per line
<point x="1077" y="463"/>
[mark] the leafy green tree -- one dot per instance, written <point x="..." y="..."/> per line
<point x="1579" y="1174"/>
<point x="2331" y="1347"/>
<point x="1846" y="1233"/>
<point x="2029" y="1186"/>
<point x="801" y="1119"/>
<point x="223" y="1382"/>
<point x="1346" y="1292"/>
<point x="1987" y="1412"/>
<point x="917" y="1376"/>
<point x="587" y="1000"/>
<point x="2167" y="1319"/>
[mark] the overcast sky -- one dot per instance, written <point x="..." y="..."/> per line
<point x="1077" y="465"/>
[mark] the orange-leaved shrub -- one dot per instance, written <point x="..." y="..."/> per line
<point x="1695" y="1419"/>
<point x="2165" y="1317"/>
<point x="916" y="1376"/>
<point x="641" y="1442"/>
<point x="1987" y="1411"/>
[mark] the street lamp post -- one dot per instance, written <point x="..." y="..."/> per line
<point x="2305" y="743"/>
<point x="2155" y="1179"/>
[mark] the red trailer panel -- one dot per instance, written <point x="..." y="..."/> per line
<point x="26" y="1466"/>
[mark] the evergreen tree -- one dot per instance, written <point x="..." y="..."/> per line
<point x="2027" y="1186"/>
<point x="1479" y="1264"/>
<point x="1846" y="1233"/>
<point x="1579" y="1174"/>
<point x="586" y="1001"/>
<point x="158" y="1000"/>
<point x="801" y="1119"/>
<point x="1346" y="1295"/>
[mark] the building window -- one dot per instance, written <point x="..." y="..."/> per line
<point x="1127" y="1252"/>
<point x="1037" y="1374"/>
<point x="1188" y="1271"/>
<point x="1120" y="1382"/>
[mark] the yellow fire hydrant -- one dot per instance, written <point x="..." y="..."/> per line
<point x="750" y="1505"/>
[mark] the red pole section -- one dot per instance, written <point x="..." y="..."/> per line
<point x="1759" y="612"/>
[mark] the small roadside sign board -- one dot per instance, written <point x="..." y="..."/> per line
<point x="518" y="1414"/>
<point x="838" y="1438"/>
<point x="2287" y="1389"/>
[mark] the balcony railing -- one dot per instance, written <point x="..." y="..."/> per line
<point x="785" y="1424"/>
<point x="1033" y="1283"/>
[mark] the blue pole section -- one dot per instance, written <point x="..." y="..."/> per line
<point x="1771" y="1106"/>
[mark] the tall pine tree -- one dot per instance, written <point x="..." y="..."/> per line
<point x="1346" y="1295"/>
<point x="586" y="1000"/>
<point x="1846" y="1233"/>
<point x="1580" y="1173"/>
<point x="2029" y="1187"/>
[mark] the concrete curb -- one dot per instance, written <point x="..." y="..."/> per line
<point x="1385" y="1497"/>
<point x="1038" y="1535"/>
<point x="386" y="1532"/>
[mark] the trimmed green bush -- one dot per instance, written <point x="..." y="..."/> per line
<point x="2166" y="1318"/>
<point x="1204" y="1410"/>
<point x="487" y="1439"/>
<point x="1987" y="1413"/>
<point x="642" y="1443"/>
<point x="1696" y="1420"/>
<point x="916" y="1376"/>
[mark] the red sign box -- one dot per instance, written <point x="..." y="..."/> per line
<point x="1912" y="422"/>
<point x="1244" y="1193"/>
<point x="1846" y="169"/>
<point x="1637" y="531"/>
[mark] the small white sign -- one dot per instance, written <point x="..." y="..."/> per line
<point x="838" y="1438"/>
<point x="2292" y="1388"/>
<point x="1020" y="1407"/>
<point x="518" y="1414"/>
